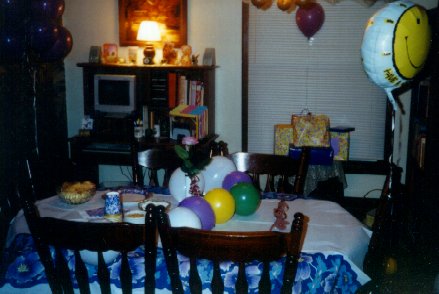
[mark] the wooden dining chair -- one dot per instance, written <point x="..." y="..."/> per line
<point x="96" y="237"/>
<point x="154" y="160"/>
<point x="274" y="166"/>
<point x="239" y="247"/>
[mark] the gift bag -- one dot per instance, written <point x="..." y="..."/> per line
<point x="283" y="137"/>
<point x="310" y="130"/>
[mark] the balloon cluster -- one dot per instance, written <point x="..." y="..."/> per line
<point x="309" y="16"/>
<point x="228" y="192"/>
<point x="35" y="30"/>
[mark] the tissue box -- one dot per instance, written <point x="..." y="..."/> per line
<point x="317" y="156"/>
<point x="340" y="140"/>
<point x="283" y="137"/>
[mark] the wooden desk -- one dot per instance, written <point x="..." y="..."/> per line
<point x="88" y="153"/>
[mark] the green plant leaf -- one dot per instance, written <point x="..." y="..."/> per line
<point x="181" y="152"/>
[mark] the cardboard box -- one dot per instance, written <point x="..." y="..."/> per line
<point x="189" y="120"/>
<point x="317" y="155"/>
<point x="340" y="141"/>
<point x="283" y="137"/>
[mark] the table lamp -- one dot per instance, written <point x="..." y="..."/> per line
<point x="149" y="31"/>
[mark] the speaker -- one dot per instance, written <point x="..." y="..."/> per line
<point x="95" y="54"/>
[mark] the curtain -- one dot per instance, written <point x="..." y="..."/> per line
<point x="288" y="73"/>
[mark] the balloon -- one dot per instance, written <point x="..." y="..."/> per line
<point x="395" y="45"/>
<point x="61" y="48"/>
<point x="222" y="203"/>
<point x="235" y="177"/>
<point x="14" y="11"/>
<point x="12" y="45"/>
<point x="51" y="9"/>
<point x="215" y="172"/>
<point x="202" y="209"/>
<point x="43" y="35"/>
<point x="179" y="184"/>
<point x="309" y="18"/>
<point x="184" y="217"/>
<point x="247" y="198"/>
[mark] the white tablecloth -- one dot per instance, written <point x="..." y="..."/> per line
<point x="330" y="229"/>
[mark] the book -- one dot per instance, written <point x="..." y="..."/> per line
<point x="182" y="90"/>
<point x="172" y="90"/>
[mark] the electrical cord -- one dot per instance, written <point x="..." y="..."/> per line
<point x="370" y="191"/>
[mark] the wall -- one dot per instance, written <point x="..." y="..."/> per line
<point x="211" y="23"/>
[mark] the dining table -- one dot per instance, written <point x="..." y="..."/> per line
<point x="333" y="249"/>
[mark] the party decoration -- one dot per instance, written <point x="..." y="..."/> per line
<point x="262" y="4"/>
<point x="180" y="184"/>
<point x="184" y="217"/>
<point x="61" y="48"/>
<point x="14" y="11"/>
<point x="43" y="34"/>
<point x="202" y="209"/>
<point x="395" y="45"/>
<point x="247" y="198"/>
<point x="215" y="172"/>
<point x="12" y="45"/>
<point x="48" y="9"/>
<point x="310" y="18"/>
<point x="234" y="178"/>
<point x="222" y="203"/>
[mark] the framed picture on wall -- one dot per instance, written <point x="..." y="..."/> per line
<point x="170" y="14"/>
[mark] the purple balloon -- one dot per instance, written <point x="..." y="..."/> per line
<point x="12" y="45"/>
<point x="43" y="35"/>
<point x="310" y="18"/>
<point x="14" y="11"/>
<point x="61" y="48"/>
<point x="51" y="9"/>
<point x="202" y="209"/>
<point x="234" y="178"/>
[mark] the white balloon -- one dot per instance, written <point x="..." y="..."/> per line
<point x="91" y="257"/>
<point x="214" y="173"/>
<point x="184" y="217"/>
<point x="179" y="184"/>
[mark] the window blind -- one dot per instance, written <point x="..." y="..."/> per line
<point x="288" y="73"/>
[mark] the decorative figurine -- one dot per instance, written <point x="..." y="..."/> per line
<point x="169" y="53"/>
<point x="186" y="51"/>
<point x="195" y="59"/>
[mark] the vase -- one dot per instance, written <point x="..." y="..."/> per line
<point x="182" y="186"/>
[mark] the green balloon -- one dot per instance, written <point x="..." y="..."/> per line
<point x="247" y="198"/>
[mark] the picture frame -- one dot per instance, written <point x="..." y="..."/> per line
<point x="170" y="14"/>
<point x="109" y="53"/>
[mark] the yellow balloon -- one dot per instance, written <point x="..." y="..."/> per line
<point x="222" y="203"/>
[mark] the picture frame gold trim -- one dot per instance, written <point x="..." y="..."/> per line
<point x="170" y="14"/>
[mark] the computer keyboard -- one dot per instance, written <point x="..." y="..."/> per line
<point x="108" y="147"/>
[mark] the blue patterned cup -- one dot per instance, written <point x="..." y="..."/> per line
<point x="113" y="206"/>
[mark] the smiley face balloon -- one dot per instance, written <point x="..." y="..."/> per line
<point x="395" y="45"/>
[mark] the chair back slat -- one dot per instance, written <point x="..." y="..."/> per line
<point x="274" y="167"/>
<point x="158" y="159"/>
<point x="239" y="247"/>
<point x="81" y="274"/>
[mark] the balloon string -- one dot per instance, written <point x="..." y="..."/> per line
<point x="34" y="81"/>
<point x="392" y="135"/>
<point x="306" y="79"/>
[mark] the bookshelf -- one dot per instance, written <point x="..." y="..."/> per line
<point x="423" y="157"/>
<point x="159" y="89"/>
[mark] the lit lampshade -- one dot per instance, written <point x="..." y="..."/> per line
<point x="149" y="31"/>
